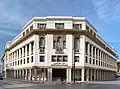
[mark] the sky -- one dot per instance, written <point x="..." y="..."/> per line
<point x="103" y="14"/>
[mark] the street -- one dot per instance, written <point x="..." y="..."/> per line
<point x="10" y="84"/>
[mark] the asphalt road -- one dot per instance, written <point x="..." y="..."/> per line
<point x="10" y="84"/>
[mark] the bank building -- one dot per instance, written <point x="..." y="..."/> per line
<point x="59" y="47"/>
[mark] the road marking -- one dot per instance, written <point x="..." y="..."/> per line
<point x="96" y="86"/>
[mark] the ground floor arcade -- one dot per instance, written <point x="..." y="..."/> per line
<point x="67" y="75"/>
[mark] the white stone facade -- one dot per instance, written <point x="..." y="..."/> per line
<point x="69" y="45"/>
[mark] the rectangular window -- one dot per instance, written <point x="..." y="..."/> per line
<point x="24" y="61"/>
<point x="86" y="59"/>
<point x="27" y="49"/>
<point x="76" y="59"/>
<point x="59" y="25"/>
<point x="93" y="61"/>
<point x="54" y="44"/>
<point x="77" y="26"/>
<point x="65" y="59"/>
<point x="21" y="62"/>
<point x="96" y="62"/>
<point x="54" y="58"/>
<point x="86" y="48"/>
<point x="23" y="33"/>
<point x="59" y="58"/>
<point x="90" y="60"/>
<point x="64" y="44"/>
<point x="41" y="25"/>
<point x="27" y="31"/>
<point x="32" y="59"/>
<point x="18" y="62"/>
<point x="31" y="28"/>
<point x="24" y="51"/>
<point x="42" y="58"/>
<point x="28" y="60"/>
<point x="32" y="47"/>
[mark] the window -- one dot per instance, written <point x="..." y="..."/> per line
<point x="59" y="25"/>
<point x="54" y="58"/>
<point x="27" y="31"/>
<point x="96" y="62"/>
<point x="77" y="26"/>
<point x="76" y="59"/>
<point x="87" y="27"/>
<point x="41" y="42"/>
<point x="65" y="59"/>
<point x="90" y="60"/>
<point x="24" y="51"/>
<point x="31" y="28"/>
<point x="54" y="44"/>
<point x="21" y="62"/>
<point x="76" y="43"/>
<point x="86" y="48"/>
<point x="27" y="49"/>
<point x="24" y="61"/>
<point x="93" y="61"/>
<point x="64" y="44"/>
<point x="90" y="50"/>
<point x="42" y="58"/>
<point x="28" y="60"/>
<point x="32" y="59"/>
<point x="18" y="62"/>
<point x="23" y="33"/>
<point x="59" y="58"/>
<point x="86" y="59"/>
<point x="41" y="25"/>
<point x="32" y="46"/>
<point x="21" y="52"/>
<point x="94" y="52"/>
<point x="18" y="53"/>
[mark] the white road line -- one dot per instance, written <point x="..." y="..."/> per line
<point x="96" y="86"/>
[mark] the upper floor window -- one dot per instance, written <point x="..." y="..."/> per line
<point x="23" y="33"/>
<point x="77" y="26"/>
<point x="76" y="59"/>
<point x="42" y="58"/>
<point x="31" y="28"/>
<point x="27" y="31"/>
<point x="59" y="43"/>
<point x="76" y="43"/>
<point x="41" y="42"/>
<point x="41" y="25"/>
<point x="87" y="28"/>
<point x="59" y="25"/>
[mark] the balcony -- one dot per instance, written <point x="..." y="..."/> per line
<point x="42" y="50"/>
<point x="77" y="51"/>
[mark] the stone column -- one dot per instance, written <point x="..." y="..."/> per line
<point x="68" y="75"/>
<point x="29" y="74"/>
<point x="35" y="74"/>
<point x="87" y="76"/>
<point x="49" y="76"/>
<point x="83" y="74"/>
<point x="94" y="74"/>
<point x="26" y="74"/>
<point x="91" y="74"/>
<point x="19" y="74"/>
<point x="14" y="74"/>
